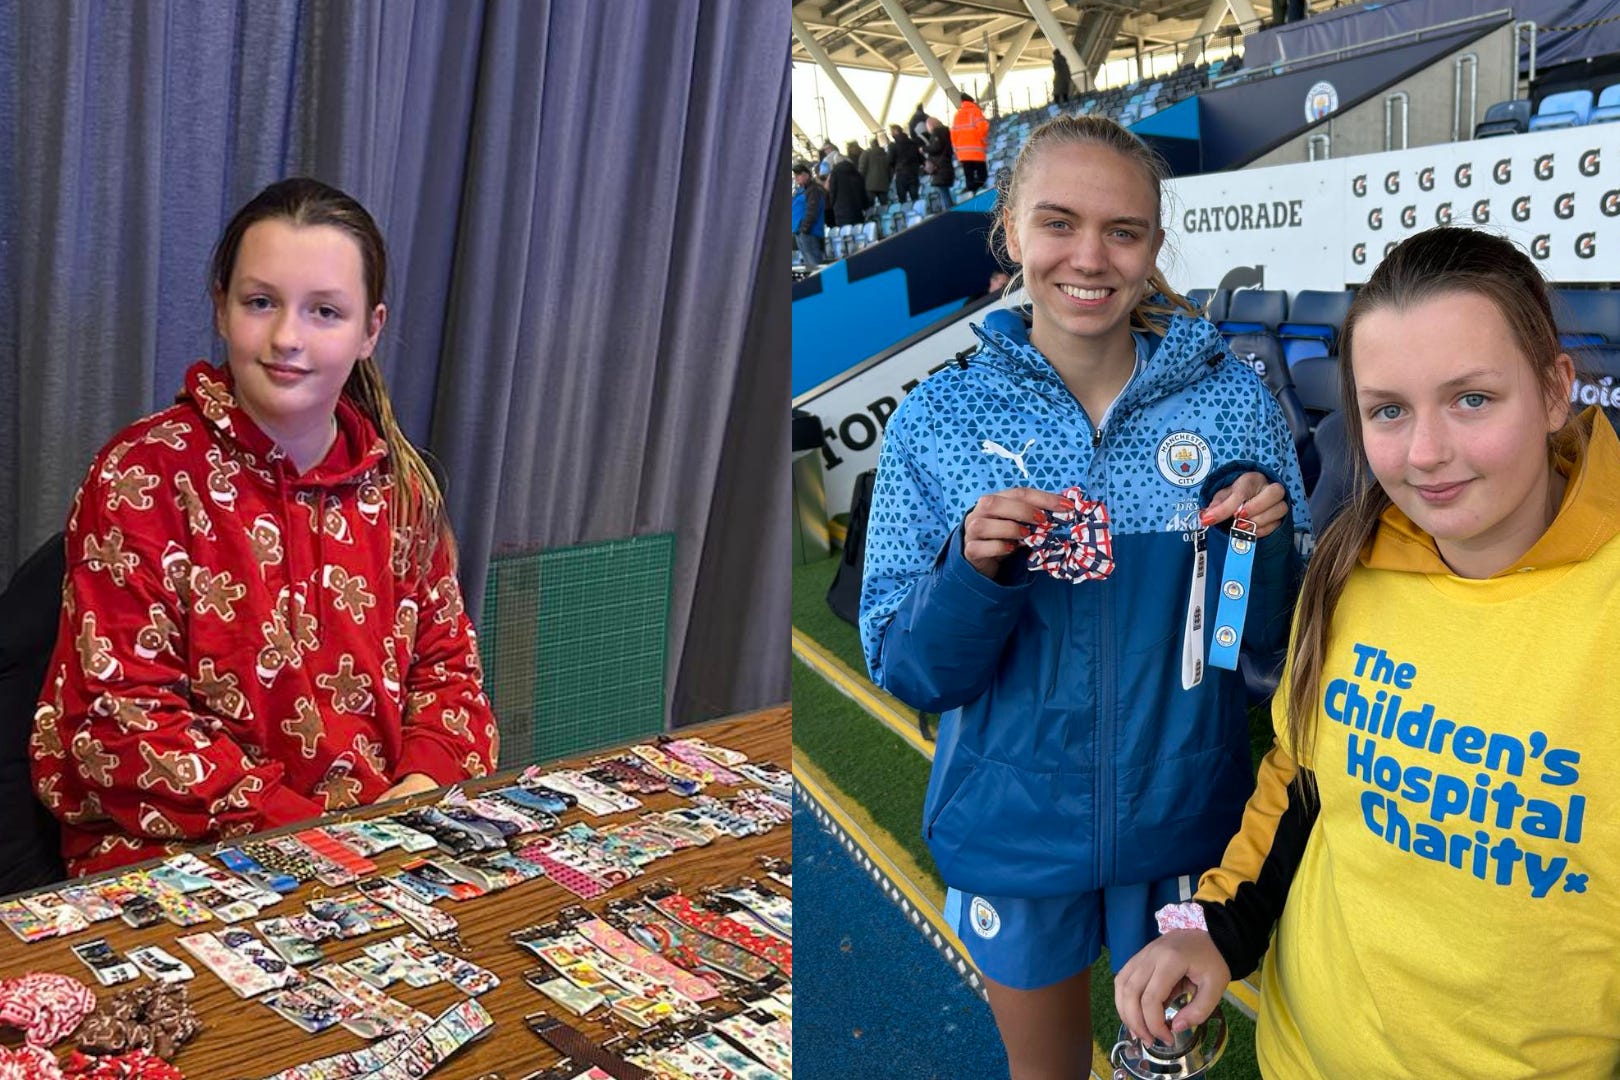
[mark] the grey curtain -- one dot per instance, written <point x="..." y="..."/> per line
<point x="580" y="199"/>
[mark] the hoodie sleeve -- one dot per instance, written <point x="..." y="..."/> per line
<point x="932" y="626"/>
<point x="1278" y="565"/>
<point x="1243" y="897"/>
<point x="450" y="732"/>
<point x="144" y="740"/>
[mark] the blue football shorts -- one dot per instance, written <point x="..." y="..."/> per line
<point x="1027" y="944"/>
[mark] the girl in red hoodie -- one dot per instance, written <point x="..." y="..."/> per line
<point x="261" y="621"/>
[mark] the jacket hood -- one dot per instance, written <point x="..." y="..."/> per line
<point x="1587" y="453"/>
<point x="356" y="453"/>
<point x="1188" y="349"/>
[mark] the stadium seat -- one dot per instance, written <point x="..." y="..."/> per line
<point x="1585" y="314"/>
<point x="1212" y="302"/>
<point x="1317" y="380"/>
<point x="1297" y="349"/>
<point x="1316" y="314"/>
<point x="1597" y="379"/>
<point x="1254" y="310"/>
<point x="1336" y="475"/>
<point x="1299" y="427"/>
<point x="1568" y="109"/>
<point x="1264" y="353"/>
<point x="1504" y="118"/>
<point x="1608" y="106"/>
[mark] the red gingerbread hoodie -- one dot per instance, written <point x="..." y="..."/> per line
<point x="243" y="647"/>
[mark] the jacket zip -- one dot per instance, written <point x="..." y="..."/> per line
<point x="1103" y="782"/>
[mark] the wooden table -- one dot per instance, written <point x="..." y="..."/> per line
<point x="244" y="1040"/>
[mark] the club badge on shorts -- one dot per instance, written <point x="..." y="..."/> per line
<point x="986" y="922"/>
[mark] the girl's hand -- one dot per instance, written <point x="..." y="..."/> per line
<point x="1154" y="975"/>
<point x="414" y="784"/>
<point x="1000" y="520"/>
<point x="1263" y="502"/>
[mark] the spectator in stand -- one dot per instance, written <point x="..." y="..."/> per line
<point x="905" y="162"/>
<point x="918" y="125"/>
<point x="937" y="162"/>
<point x="829" y="158"/>
<point x="874" y="166"/>
<point x="1062" y="84"/>
<point x="846" y="189"/>
<point x="970" y="137"/>
<point x="809" y="205"/>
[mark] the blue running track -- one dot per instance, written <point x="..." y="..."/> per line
<point x="871" y="996"/>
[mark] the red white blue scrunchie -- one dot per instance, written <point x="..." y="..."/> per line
<point x="1073" y="545"/>
<point x="1188" y="916"/>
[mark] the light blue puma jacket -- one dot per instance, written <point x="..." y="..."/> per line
<point x="1069" y="757"/>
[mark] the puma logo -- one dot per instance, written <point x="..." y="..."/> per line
<point x="991" y="447"/>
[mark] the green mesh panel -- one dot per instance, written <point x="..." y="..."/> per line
<point x="574" y="643"/>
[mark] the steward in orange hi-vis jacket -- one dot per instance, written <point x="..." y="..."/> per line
<point x="970" y="131"/>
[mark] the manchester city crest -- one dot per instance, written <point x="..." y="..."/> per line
<point x="986" y="923"/>
<point x="1184" y="458"/>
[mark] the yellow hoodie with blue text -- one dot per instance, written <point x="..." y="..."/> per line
<point x="1451" y="905"/>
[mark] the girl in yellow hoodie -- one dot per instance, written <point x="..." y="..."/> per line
<point x="1435" y="836"/>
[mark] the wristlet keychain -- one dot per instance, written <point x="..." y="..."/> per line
<point x="1234" y="602"/>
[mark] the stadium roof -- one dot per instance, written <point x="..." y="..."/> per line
<point x="960" y="33"/>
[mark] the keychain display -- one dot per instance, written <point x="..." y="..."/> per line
<point x="379" y="1014"/>
<point x="256" y="872"/>
<point x="674" y="768"/>
<point x="774" y="911"/>
<point x="312" y="1006"/>
<point x="56" y="912"/>
<point x="685" y="752"/>
<point x="694" y="951"/>
<point x="289" y="942"/>
<point x="638" y="965"/>
<point x="160" y="966"/>
<point x="592" y="796"/>
<point x="424" y="918"/>
<point x="248" y="970"/>
<point x="407" y="1055"/>
<point x="576" y="999"/>
<point x="680" y="907"/>
<point x="109" y="968"/>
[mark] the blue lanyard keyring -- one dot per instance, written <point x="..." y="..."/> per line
<point x="1233" y="607"/>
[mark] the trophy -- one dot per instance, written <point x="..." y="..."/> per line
<point x="1191" y="1054"/>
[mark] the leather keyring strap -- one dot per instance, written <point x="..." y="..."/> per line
<point x="581" y="1047"/>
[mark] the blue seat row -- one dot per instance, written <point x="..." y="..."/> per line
<point x="1569" y="108"/>
<point x="1309" y="322"/>
<point x="1308" y="325"/>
